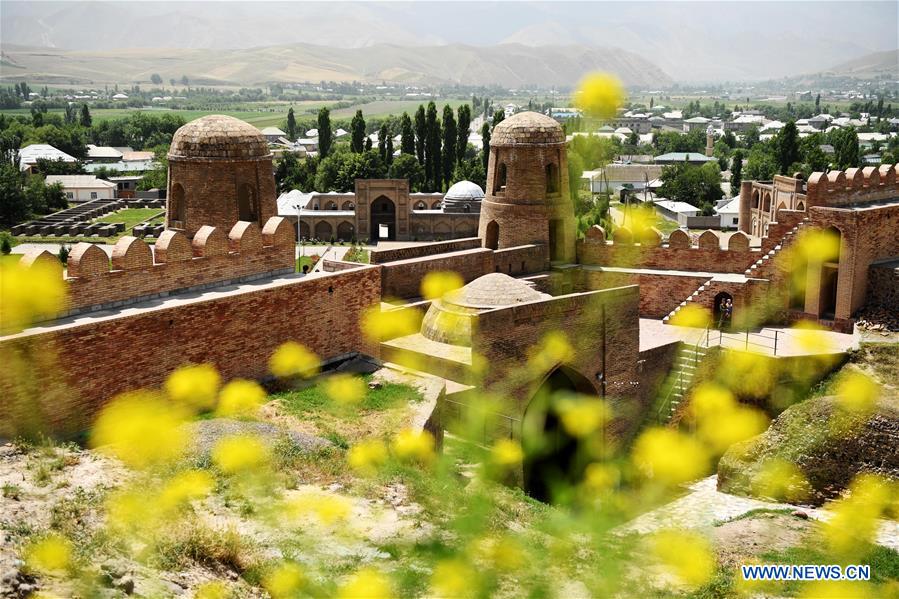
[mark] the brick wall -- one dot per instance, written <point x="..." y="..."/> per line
<point x="178" y="264"/>
<point x="883" y="285"/>
<point x="78" y="365"/>
<point x="379" y="256"/>
<point x="853" y="186"/>
<point x="659" y="293"/>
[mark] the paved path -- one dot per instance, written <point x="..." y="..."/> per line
<point x="704" y="505"/>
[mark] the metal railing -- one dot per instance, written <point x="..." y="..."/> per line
<point x="744" y="339"/>
<point x="679" y="382"/>
<point x="457" y="408"/>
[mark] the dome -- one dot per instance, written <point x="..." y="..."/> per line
<point x="219" y="136"/>
<point x="464" y="190"/>
<point x="527" y="128"/>
<point x="449" y="319"/>
<point x="463" y="196"/>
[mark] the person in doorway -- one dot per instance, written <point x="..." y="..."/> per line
<point x="728" y="312"/>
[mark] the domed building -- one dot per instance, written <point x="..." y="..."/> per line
<point x="220" y="172"/>
<point x="449" y="319"/>
<point x="527" y="200"/>
<point x="463" y="196"/>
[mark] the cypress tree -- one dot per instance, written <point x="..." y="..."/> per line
<point x="463" y="129"/>
<point x="383" y="136"/>
<point x="407" y="142"/>
<point x="357" y="129"/>
<point x="291" y="125"/>
<point x="736" y="172"/>
<point x="449" y="143"/>
<point x="421" y="132"/>
<point x="433" y="164"/>
<point x="485" y="152"/>
<point x="498" y="117"/>
<point x="388" y="158"/>
<point x="324" y="132"/>
<point x="85" y="116"/>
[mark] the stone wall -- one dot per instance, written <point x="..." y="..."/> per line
<point x="178" y="264"/>
<point x="659" y="293"/>
<point x="380" y="256"/>
<point x="883" y="285"/>
<point x="78" y="365"/>
<point x="853" y="186"/>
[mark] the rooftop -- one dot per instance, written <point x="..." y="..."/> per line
<point x="30" y="154"/>
<point x="74" y="181"/>
<point x="527" y="128"/>
<point x="218" y="137"/>
<point x="684" y="157"/>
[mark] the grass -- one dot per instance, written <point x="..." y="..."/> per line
<point x="755" y="512"/>
<point x="131" y="216"/>
<point x="200" y="544"/>
<point x="382" y="108"/>
<point x="884" y="564"/>
<point x="11" y="491"/>
<point x="314" y="399"/>
<point x="357" y="254"/>
<point x="303" y="261"/>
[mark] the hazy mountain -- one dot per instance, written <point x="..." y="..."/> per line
<point x="691" y="41"/>
<point x="510" y="65"/>
<point x="870" y="65"/>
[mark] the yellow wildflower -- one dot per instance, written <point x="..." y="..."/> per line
<point x="436" y="284"/>
<point x="692" y="315"/>
<point x="284" y="580"/>
<point x="583" y="416"/>
<point x="293" y="359"/>
<point x="345" y="389"/>
<point x="184" y="487"/>
<point x="140" y="429"/>
<point x="381" y="325"/>
<point x="194" y="386"/>
<point x="600" y="477"/>
<point x="554" y="349"/>
<point x="366" y="583"/>
<point x="506" y="453"/>
<point x="856" y="392"/>
<point x="669" y="457"/>
<point x="51" y="554"/>
<point x="414" y="445"/>
<point x="29" y="294"/>
<point x="240" y="397"/>
<point x="239" y="453"/>
<point x="599" y="95"/>
<point x="781" y="480"/>
<point x="212" y="590"/>
<point x="453" y="578"/>
<point x="686" y="554"/>
<point x="366" y="457"/>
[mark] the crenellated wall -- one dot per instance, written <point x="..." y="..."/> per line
<point x="853" y="186"/>
<point x="135" y="273"/>
<point x="380" y="256"/>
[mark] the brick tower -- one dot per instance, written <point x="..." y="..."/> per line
<point x="527" y="199"/>
<point x="220" y="172"/>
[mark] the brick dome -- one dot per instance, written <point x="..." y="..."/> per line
<point x="219" y="136"/>
<point x="527" y="128"/>
<point x="449" y="319"/>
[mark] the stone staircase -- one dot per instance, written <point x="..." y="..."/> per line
<point x="761" y="268"/>
<point x="679" y="380"/>
<point x="693" y="297"/>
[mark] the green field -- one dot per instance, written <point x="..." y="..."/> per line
<point x="382" y="108"/>
<point x="132" y="216"/>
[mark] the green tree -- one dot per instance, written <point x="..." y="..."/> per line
<point x="184" y="80"/>
<point x="485" y="150"/>
<point x="14" y="206"/>
<point x="5" y="243"/>
<point x="845" y="148"/>
<point x="292" y="172"/>
<point x="421" y="133"/>
<point x="464" y="125"/>
<point x="751" y="137"/>
<point x="291" y="125"/>
<point x="406" y="166"/>
<point x="760" y="166"/>
<point x="433" y="163"/>
<point x="85" y="116"/>
<point x="407" y="135"/>
<point x="449" y="143"/>
<point x="357" y="132"/>
<point x="697" y="185"/>
<point x="368" y="144"/>
<point x="388" y="152"/>
<point x="383" y="136"/>
<point x="499" y="116"/>
<point x="575" y="170"/>
<point x="471" y="170"/>
<point x="155" y="78"/>
<point x="736" y="171"/>
<point x="325" y="137"/>
<point x="787" y="147"/>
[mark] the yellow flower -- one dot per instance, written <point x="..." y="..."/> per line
<point x="817" y="245"/>
<point x="692" y="315"/>
<point x="436" y="284"/>
<point x="669" y="457"/>
<point x="554" y="349"/>
<point x="140" y="429"/>
<point x="284" y="580"/>
<point x="240" y="397"/>
<point x="599" y="95"/>
<point x="51" y="554"/>
<point x="812" y="338"/>
<point x="239" y="453"/>
<point x="381" y="325"/>
<point x="412" y="445"/>
<point x="293" y="359"/>
<point x="503" y="554"/>
<point x="854" y="521"/>
<point x="583" y="416"/>
<point x="506" y="453"/>
<point x="856" y="392"/>
<point x="194" y="386"/>
<point x="453" y="578"/>
<point x="366" y="583"/>
<point x="345" y="389"/>
<point x="839" y="589"/>
<point x="366" y="457"/>
<point x="29" y="294"/>
<point x="131" y="511"/>
<point x="781" y="480"/>
<point x="184" y="487"/>
<point x="600" y="477"/>
<point x="737" y="425"/>
<point x="687" y="555"/>
<point x="211" y="590"/>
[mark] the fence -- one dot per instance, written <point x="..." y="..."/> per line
<point x="454" y="410"/>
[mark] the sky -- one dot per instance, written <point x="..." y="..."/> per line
<point x="713" y="40"/>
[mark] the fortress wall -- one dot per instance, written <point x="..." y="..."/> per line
<point x="379" y="256"/>
<point x="659" y="293"/>
<point x="79" y="365"/>
<point x="853" y="186"/>
<point x="212" y="258"/>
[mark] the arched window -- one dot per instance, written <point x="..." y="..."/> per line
<point x="466" y="208"/>
<point x="499" y="183"/>
<point x="349" y="206"/>
<point x="767" y="207"/>
<point x="552" y="179"/>
<point x="246" y="203"/>
<point x="421" y="205"/>
<point x="755" y="199"/>
<point x="176" y="207"/>
<point x="491" y="238"/>
<point x="800" y="206"/>
<point x="436" y="205"/>
<point x="331" y="206"/>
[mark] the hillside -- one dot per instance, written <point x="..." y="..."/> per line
<point x="509" y="65"/>
<point x="869" y="66"/>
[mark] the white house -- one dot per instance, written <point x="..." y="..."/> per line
<point x="29" y="155"/>
<point x="271" y="134"/>
<point x="729" y="213"/>
<point x="676" y="211"/>
<point x="83" y="188"/>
